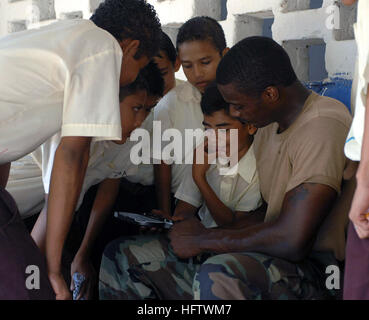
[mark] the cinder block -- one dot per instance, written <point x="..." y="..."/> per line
<point x="240" y="27"/>
<point x="340" y="58"/>
<point x="179" y="11"/>
<point x="71" y="15"/>
<point x="15" y="26"/>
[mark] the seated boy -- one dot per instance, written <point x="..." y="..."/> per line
<point x="145" y="266"/>
<point x="201" y="45"/>
<point x="109" y="159"/>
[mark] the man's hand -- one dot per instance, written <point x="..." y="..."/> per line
<point x="83" y="266"/>
<point x="358" y="211"/>
<point x="185" y="237"/>
<point x="60" y="287"/>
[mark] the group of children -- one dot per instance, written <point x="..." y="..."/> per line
<point x="266" y="231"/>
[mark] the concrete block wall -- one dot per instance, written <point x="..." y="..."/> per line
<point x="317" y="34"/>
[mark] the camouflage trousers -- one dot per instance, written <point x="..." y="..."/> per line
<point x="145" y="267"/>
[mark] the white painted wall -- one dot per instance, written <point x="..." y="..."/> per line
<point x="295" y="26"/>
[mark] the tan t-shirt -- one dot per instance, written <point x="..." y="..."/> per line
<point x="309" y="151"/>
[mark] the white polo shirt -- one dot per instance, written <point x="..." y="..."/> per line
<point x="64" y="76"/>
<point x="25" y="186"/>
<point x="179" y="109"/>
<point x="355" y="136"/>
<point x="239" y="192"/>
<point x="108" y="160"/>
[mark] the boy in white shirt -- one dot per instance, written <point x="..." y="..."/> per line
<point x="51" y="80"/>
<point x="200" y="45"/>
<point x="221" y="199"/>
<point x="134" y="268"/>
<point x="108" y="162"/>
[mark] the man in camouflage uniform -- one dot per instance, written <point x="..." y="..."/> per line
<point x="145" y="267"/>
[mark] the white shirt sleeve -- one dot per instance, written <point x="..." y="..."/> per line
<point x="44" y="156"/>
<point x="188" y="190"/>
<point x="91" y="98"/>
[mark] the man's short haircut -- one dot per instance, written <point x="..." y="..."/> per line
<point x="254" y="64"/>
<point x="167" y="46"/>
<point x="203" y="29"/>
<point x="212" y="100"/>
<point x="131" y="19"/>
<point x="149" y="79"/>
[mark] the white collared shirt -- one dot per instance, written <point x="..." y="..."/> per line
<point x="239" y="192"/>
<point x="25" y="186"/>
<point x="51" y="80"/>
<point x="108" y="160"/>
<point x="179" y="109"/>
<point x="355" y="136"/>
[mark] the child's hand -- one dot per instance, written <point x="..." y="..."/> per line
<point x="161" y="214"/>
<point x="84" y="266"/>
<point x="180" y="216"/>
<point x="203" y="157"/>
<point x="60" y="287"/>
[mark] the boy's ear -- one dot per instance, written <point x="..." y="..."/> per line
<point x="129" y="47"/>
<point x="252" y="129"/>
<point x="177" y="64"/>
<point x="225" y="51"/>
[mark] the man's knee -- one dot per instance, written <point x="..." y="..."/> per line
<point x="231" y="276"/>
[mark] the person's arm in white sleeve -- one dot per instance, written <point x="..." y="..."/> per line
<point x="91" y="110"/>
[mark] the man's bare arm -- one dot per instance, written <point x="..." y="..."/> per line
<point x="248" y="219"/>
<point x="290" y="236"/>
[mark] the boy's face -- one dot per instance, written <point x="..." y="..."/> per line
<point x="167" y="70"/>
<point x="200" y="61"/>
<point x="222" y="120"/>
<point x="133" y="112"/>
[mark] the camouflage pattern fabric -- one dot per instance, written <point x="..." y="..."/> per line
<point x="145" y="267"/>
<point x="254" y="276"/>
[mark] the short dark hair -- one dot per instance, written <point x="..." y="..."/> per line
<point x="254" y="64"/>
<point x="134" y="19"/>
<point x="149" y="79"/>
<point x="212" y="100"/>
<point x="203" y="29"/>
<point x="167" y="46"/>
